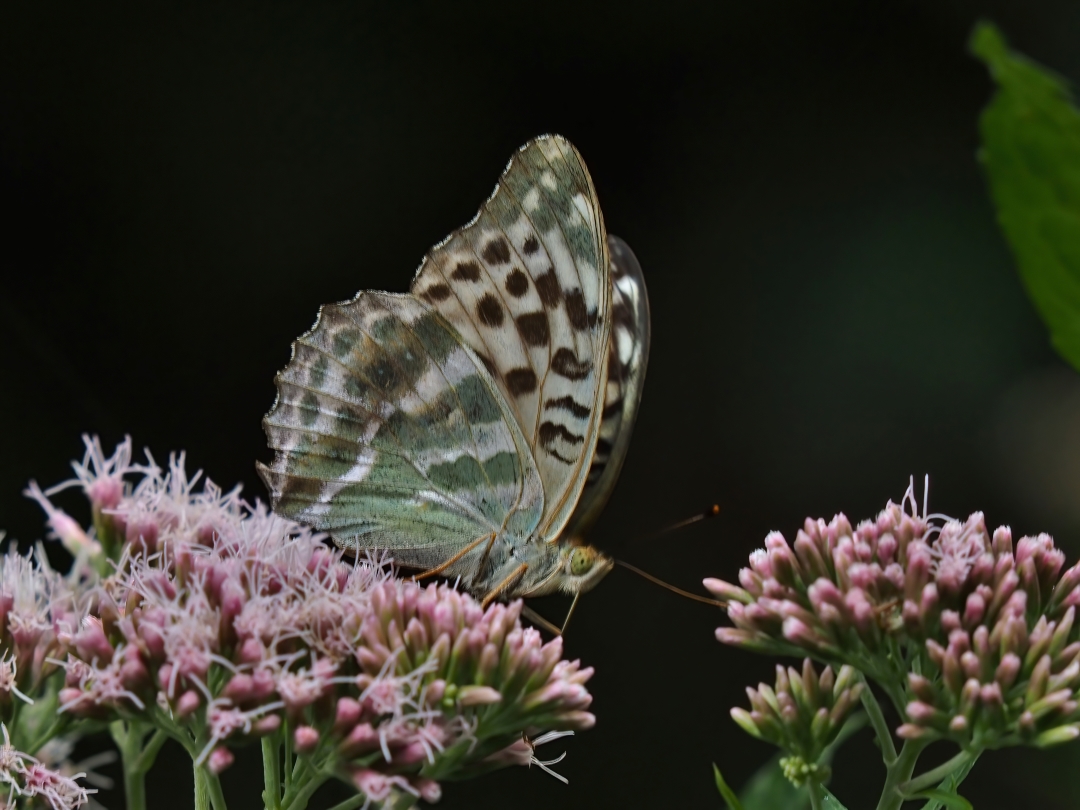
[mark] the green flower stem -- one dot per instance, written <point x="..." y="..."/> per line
<point x="881" y="728"/>
<point x="815" y="795"/>
<point x="145" y="759"/>
<point x="202" y="790"/>
<point x="271" y="751"/>
<point x="932" y="777"/>
<point x="289" y="758"/>
<point x="899" y="772"/>
<point x="305" y="781"/>
<point x="129" y="736"/>
<point x="351" y="803"/>
<point x="298" y="799"/>
<point x="208" y="790"/>
<point x="217" y="797"/>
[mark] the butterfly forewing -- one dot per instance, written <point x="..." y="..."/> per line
<point x="527" y="287"/>
<point x="390" y="433"/>
<point x="628" y="357"/>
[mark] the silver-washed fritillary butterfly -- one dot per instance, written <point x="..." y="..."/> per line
<point x="476" y="426"/>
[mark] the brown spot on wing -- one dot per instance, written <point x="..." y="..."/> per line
<point x="548" y="287"/>
<point x="521" y="381"/>
<point x="466" y="271"/>
<point x="576" y="310"/>
<point x="517" y="283"/>
<point x="489" y="310"/>
<point x="531" y="246"/>
<point x="436" y="292"/>
<point x="533" y="328"/>
<point x="496" y="251"/>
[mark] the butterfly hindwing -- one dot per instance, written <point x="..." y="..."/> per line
<point x="390" y="433"/>
<point x="527" y="286"/>
<point x="628" y="357"/>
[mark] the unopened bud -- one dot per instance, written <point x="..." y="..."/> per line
<point x="220" y="759"/>
<point x="305" y="739"/>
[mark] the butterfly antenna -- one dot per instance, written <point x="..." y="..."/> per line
<point x="672" y="588"/>
<point x="711" y="512"/>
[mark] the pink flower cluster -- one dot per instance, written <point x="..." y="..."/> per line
<point x="973" y="639"/>
<point x="37" y="613"/>
<point x="480" y="659"/>
<point x="223" y="622"/>
<point x="25" y="780"/>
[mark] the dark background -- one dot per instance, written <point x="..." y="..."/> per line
<point x="834" y="308"/>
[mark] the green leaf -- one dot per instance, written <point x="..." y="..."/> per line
<point x="830" y="802"/>
<point x="768" y="789"/>
<point x="729" y="795"/>
<point x="944" y="798"/>
<point x="1031" y="153"/>
<point x="948" y="788"/>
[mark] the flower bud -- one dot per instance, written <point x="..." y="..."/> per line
<point x="305" y="739"/>
<point x="91" y="643"/>
<point x="1058" y="735"/>
<point x="974" y="610"/>
<point x="1002" y="542"/>
<point x="374" y="785"/>
<point x="727" y="592"/>
<point x="1007" y="670"/>
<point x="188" y="703"/>
<point x="478" y="696"/>
<point x="428" y="789"/>
<point x="266" y="725"/>
<point x="220" y="759"/>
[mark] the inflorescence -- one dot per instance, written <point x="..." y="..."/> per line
<point x="216" y="623"/>
<point x="973" y="637"/>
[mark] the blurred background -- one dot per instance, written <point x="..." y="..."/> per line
<point x="834" y="308"/>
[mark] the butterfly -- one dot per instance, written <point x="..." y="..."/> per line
<point x="475" y="427"/>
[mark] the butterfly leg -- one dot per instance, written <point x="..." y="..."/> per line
<point x="483" y="559"/>
<point x="438" y="569"/>
<point x="506" y="583"/>
<point x="570" y="612"/>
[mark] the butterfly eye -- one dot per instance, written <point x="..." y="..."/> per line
<point x="581" y="560"/>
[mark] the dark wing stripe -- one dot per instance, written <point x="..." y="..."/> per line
<point x="568" y="403"/>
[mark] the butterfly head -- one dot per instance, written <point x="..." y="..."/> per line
<point x="581" y="567"/>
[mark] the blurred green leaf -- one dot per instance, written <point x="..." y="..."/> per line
<point x="1031" y="152"/>
<point x="830" y="801"/>
<point x="729" y="795"/>
<point x="948" y="787"/>
<point x="953" y="801"/>
<point x="769" y="789"/>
